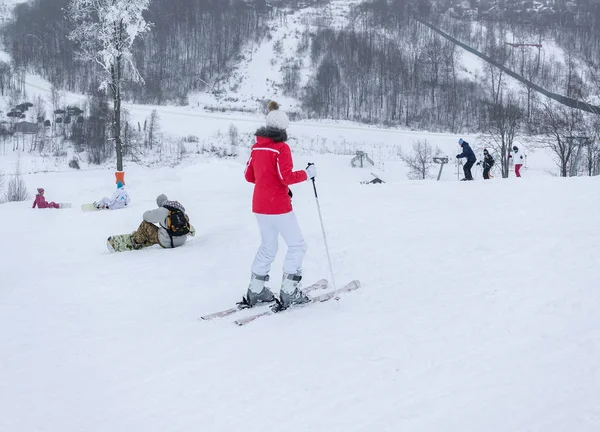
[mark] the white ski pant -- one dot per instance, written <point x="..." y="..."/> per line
<point x="271" y="226"/>
<point x="112" y="205"/>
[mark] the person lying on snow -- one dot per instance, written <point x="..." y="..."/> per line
<point x="41" y="202"/>
<point x="119" y="199"/>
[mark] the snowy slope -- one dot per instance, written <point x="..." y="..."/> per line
<point x="478" y="309"/>
<point x="259" y="75"/>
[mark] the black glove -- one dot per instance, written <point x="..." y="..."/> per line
<point x="457" y="156"/>
<point x="290" y="194"/>
<point x="478" y="163"/>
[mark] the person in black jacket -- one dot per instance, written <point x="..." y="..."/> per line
<point x="488" y="163"/>
<point x="467" y="153"/>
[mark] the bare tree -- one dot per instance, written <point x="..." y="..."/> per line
<point x="291" y="76"/>
<point x="105" y="31"/>
<point x="57" y="100"/>
<point x="590" y="142"/>
<point x="592" y="158"/>
<point x="558" y="125"/>
<point x="420" y="161"/>
<point x="17" y="190"/>
<point x="153" y="128"/>
<point x="234" y="137"/>
<point x="5" y="75"/>
<point x="434" y="53"/>
<point x="504" y="122"/>
<point x="94" y="132"/>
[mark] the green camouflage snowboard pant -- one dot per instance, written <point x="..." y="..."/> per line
<point x="146" y="234"/>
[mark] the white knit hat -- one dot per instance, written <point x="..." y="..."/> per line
<point x="277" y="119"/>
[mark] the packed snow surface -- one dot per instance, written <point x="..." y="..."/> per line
<point x="478" y="308"/>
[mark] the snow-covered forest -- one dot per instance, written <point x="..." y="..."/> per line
<point x="378" y="62"/>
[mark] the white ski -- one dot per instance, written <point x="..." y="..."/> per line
<point x="351" y="286"/>
<point x="319" y="285"/>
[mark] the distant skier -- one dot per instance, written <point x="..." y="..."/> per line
<point x="488" y="163"/>
<point x="41" y="202"/>
<point x="172" y="229"/>
<point x="270" y="168"/>
<point x="518" y="160"/>
<point x="471" y="159"/>
<point x="119" y="199"/>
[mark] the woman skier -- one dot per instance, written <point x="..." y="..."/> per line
<point x="270" y="168"/>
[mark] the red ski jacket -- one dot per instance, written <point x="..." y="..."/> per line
<point x="270" y="169"/>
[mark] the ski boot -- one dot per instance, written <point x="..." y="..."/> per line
<point x="257" y="292"/>
<point x="290" y="293"/>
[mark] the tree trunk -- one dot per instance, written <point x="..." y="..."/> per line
<point x="116" y="87"/>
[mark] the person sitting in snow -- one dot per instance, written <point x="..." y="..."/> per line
<point x="488" y="163"/>
<point x="471" y="158"/>
<point x="172" y="229"/>
<point x="118" y="200"/>
<point x="41" y="202"/>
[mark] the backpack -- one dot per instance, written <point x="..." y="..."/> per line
<point x="177" y="223"/>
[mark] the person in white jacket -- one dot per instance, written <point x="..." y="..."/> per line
<point x="118" y="200"/>
<point x="518" y="159"/>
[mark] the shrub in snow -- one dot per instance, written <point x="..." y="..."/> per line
<point x="17" y="190"/>
<point x="420" y="161"/>
<point x="74" y="163"/>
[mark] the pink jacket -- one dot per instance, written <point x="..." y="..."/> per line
<point x="40" y="201"/>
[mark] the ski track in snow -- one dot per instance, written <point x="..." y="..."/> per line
<point x="478" y="309"/>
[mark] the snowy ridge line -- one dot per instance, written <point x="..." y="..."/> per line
<point x="320" y="284"/>
<point x="350" y="286"/>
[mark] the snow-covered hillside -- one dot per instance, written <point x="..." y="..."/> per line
<point x="261" y="70"/>
<point x="478" y="309"/>
<point x="257" y="78"/>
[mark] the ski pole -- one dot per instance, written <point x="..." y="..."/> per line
<point x="324" y="237"/>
